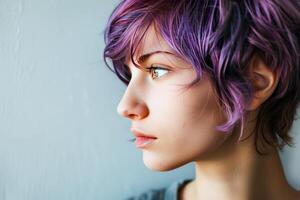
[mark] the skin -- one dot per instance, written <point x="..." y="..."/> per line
<point x="184" y="123"/>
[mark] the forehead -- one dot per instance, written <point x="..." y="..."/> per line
<point x="152" y="41"/>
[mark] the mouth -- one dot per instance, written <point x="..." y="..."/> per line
<point x="142" y="142"/>
<point x="141" y="134"/>
<point x="141" y="139"/>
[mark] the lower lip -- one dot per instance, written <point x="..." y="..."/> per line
<point x="141" y="142"/>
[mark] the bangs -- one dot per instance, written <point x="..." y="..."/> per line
<point x="124" y="36"/>
<point x="129" y="23"/>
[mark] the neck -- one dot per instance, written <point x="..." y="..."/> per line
<point x="238" y="172"/>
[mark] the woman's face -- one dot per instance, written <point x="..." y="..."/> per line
<point x="183" y="121"/>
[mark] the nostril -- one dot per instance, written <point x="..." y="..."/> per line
<point x="133" y="116"/>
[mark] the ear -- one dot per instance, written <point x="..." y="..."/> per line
<point x="264" y="81"/>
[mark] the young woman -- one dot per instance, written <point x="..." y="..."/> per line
<point x="214" y="82"/>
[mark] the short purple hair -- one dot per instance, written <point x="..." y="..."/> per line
<point x="219" y="37"/>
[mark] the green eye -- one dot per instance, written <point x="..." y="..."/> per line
<point x="157" y="72"/>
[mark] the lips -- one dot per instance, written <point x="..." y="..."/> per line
<point x="142" y="140"/>
<point x="141" y="134"/>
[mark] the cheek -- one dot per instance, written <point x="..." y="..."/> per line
<point x="197" y="117"/>
<point x="185" y="126"/>
<point x="184" y="113"/>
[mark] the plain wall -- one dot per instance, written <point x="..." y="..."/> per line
<point x="60" y="135"/>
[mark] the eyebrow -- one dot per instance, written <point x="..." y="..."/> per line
<point x="145" y="57"/>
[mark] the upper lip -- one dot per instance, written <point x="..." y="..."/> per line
<point x="138" y="133"/>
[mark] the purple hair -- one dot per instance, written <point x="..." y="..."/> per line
<point x="219" y="37"/>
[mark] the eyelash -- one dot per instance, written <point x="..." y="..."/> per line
<point x="152" y="68"/>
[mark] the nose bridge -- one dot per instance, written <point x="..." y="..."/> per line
<point x="132" y="105"/>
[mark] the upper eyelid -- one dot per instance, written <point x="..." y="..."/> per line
<point x="153" y="65"/>
<point x="159" y="66"/>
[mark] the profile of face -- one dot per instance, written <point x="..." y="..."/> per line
<point x="183" y="120"/>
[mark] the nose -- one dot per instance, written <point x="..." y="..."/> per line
<point x="132" y="106"/>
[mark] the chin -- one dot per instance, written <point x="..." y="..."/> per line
<point x="160" y="164"/>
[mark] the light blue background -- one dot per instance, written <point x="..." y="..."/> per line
<point x="60" y="135"/>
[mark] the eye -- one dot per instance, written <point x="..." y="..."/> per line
<point x="157" y="71"/>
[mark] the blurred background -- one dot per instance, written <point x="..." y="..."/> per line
<point x="60" y="135"/>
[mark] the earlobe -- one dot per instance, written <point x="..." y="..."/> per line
<point x="264" y="81"/>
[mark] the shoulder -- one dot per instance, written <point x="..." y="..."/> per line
<point x="167" y="193"/>
<point x="152" y="194"/>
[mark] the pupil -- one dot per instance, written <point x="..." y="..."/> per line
<point x="155" y="73"/>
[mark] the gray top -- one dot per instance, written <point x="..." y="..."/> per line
<point x="168" y="193"/>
